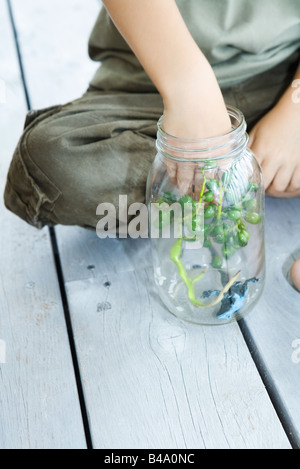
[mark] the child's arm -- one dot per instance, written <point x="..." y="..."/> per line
<point x="275" y="140"/>
<point x="156" y="32"/>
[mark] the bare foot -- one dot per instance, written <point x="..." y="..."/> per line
<point x="295" y="274"/>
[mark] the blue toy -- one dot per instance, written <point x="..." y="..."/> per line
<point x="234" y="299"/>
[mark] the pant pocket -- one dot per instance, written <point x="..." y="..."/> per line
<point x="29" y="193"/>
<point x="32" y="201"/>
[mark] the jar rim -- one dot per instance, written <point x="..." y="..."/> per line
<point x="234" y="140"/>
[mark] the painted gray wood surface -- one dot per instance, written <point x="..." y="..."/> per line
<point x="39" y="406"/>
<point x="274" y="326"/>
<point x="152" y="381"/>
<point x="84" y="255"/>
<point x="185" y="384"/>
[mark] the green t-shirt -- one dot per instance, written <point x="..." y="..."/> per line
<point x="240" y="38"/>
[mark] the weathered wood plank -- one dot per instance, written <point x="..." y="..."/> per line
<point x="39" y="406"/>
<point x="152" y="381"/>
<point x="84" y="255"/>
<point x="54" y="39"/>
<point x="274" y="326"/>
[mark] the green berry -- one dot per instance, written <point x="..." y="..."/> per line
<point x="168" y="197"/>
<point x="241" y="225"/>
<point x="220" y="238"/>
<point x="253" y="187"/>
<point x="218" y="229"/>
<point x="226" y="227"/>
<point x="243" y="238"/>
<point x="212" y="185"/>
<point x="229" y="196"/>
<point x="247" y="196"/>
<point x="230" y="240"/>
<point x="252" y="217"/>
<point x="234" y="214"/>
<point x="216" y="262"/>
<point x="207" y="228"/>
<point x="245" y="233"/>
<point x="186" y="199"/>
<point x="210" y="211"/>
<point x="207" y="243"/>
<point x="237" y="206"/>
<point x="250" y="205"/>
<point x="209" y="196"/>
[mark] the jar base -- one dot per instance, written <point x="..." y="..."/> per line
<point x="235" y="304"/>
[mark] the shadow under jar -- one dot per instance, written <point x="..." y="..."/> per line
<point x="206" y="221"/>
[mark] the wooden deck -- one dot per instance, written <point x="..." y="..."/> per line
<point x="75" y="374"/>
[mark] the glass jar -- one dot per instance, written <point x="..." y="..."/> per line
<point x="206" y="221"/>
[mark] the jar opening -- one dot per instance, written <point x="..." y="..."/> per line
<point x="227" y="145"/>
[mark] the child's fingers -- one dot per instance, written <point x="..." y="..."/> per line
<point x="185" y="177"/>
<point x="294" y="185"/>
<point x="198" y="181"/>
<point x="180" y="175"/>
<point x="171" y="170"/>
<point x="281" y="180"/>
<point x="295" y="274"/>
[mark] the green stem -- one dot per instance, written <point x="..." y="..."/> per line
<point x="175" y="257"/>
<point x="175" y="254"/>
<point x="220" y="201"/>
<point x="203" y="186"/>
<point x="200" y="198"/>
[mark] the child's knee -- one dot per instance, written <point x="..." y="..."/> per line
<point x="31" y="191"/>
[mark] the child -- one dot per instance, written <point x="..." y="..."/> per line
<point x="184" y="59"/>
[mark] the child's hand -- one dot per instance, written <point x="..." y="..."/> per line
<point x="275" y="141"/>
<point x="194" y="113"/>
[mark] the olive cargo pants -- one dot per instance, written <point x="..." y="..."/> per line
<point x="72" y="157"/>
